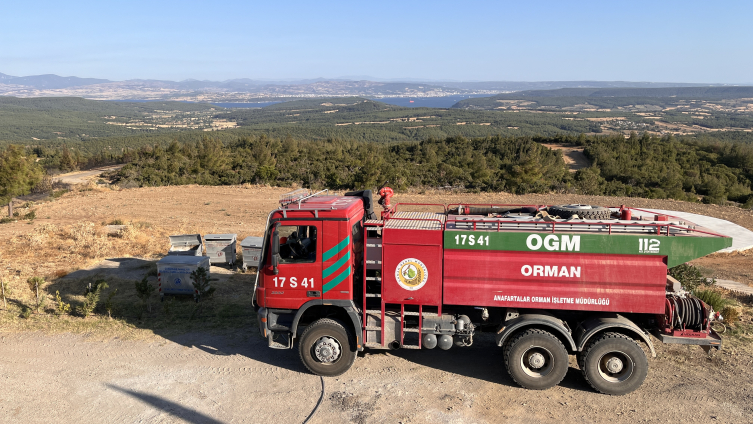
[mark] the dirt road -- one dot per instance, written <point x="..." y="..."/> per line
<point x="205" y="378"/>
<point x="572" y="155"/>
<point x="82" y="177"/>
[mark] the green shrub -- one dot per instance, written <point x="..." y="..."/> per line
<point x="58" y="193"/>
<point x="144" y="291"/>
<point x="31" y="215"/>
<point x="201" y="281"/>
<point x="712" y="298"/>
<point x="35" y="283"/>
<point x="690" y="277"/>
<point x="109" y="305"/>
<point x="62" y="307"/>
<point x="26" y="312"/>
<point x="4" y="293"/>
<point x="91" y="295"/>
<point x="730" y="314"/>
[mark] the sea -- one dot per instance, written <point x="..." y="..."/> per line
<point x="438" y="102"/>
<point x="245" y="105"/>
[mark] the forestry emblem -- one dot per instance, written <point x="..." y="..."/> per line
<point x="411" y="274"/>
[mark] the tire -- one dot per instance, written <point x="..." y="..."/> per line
<point x="629" y="362"/>
<point x="335" y="345"/>
<point x="536" y="359"/>
<point x="583" y="211"/>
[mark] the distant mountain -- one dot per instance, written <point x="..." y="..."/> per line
<point x="51" y="81"/>
<point x="254" y="90"/>
<point x="553" y="85"/>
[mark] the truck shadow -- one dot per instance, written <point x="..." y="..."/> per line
<point x="223" y="325"/>
<point x="482" y="361"/>
<point x="172" y="408"/>
<point x="246" y="343"/>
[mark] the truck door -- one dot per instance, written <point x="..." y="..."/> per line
<point x="298" y="279"/>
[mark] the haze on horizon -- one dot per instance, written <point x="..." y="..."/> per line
<point x="673" y="41"/>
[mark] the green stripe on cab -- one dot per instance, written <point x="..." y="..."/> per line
<point x="335" y="281"/>
<point x="337" y="265"/>
<point x="335" y="250"/>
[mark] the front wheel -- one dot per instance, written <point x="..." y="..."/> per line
<point x="326" y="349"/>
<point x="536" y="359"/>
<point x="614" y="364"/>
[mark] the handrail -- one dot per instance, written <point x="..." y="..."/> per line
<point x="310" y="196"/>
<point x="656" y="213"/>
<point x="444" y="207"/>
<point x="658" y="226"/>
<point x="449" y="206"/>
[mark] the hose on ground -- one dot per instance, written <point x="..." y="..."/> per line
<point x="321" y="398"/>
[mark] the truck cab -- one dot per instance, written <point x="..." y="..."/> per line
<point x="310" y="269"/>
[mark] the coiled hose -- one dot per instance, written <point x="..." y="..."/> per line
<point x="689" y="312"/>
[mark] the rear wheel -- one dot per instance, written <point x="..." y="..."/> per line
<point x="614" y="364"/>
<point x="326" y="348"/>
<point x="536" y="359"/>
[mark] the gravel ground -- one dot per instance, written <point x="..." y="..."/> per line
<point x="209" y="378"/>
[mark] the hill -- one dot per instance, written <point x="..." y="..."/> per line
<point x="50" y="81"/>
<point x="79" y="119"/>
<point x="664" y="95"/>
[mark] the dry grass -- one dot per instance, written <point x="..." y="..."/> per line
<point x="52" y="252"/>
<point x="229" y="309"/>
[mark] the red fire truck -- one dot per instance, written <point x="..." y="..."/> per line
<point x="548" y="281"/>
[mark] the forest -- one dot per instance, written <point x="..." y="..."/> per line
<point x="640" y="166"/>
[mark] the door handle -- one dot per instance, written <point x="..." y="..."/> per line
<point x="314" y="293"/>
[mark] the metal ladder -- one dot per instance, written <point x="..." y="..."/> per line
<point x="381" y="321"/>
<point x="373" y="307"/>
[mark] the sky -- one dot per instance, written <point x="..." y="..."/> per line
<point x="659" y="41"/>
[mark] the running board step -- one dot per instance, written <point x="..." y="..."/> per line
<point x="410" y="347"/>
<point x="373" y="295"/>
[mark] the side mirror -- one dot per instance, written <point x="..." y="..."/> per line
<point x="275" y="262"/>
<point x="275" y="250"/>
